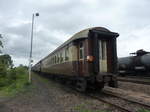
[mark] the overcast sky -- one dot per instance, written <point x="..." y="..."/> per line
<point x="60" y="19"/>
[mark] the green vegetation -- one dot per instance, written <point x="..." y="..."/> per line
<point x="12" y="80"/>
<point x="1" y="44"/>
<point x="5" y="70"/>
<point x="82" y="108"/>
<point x="15" y="80"/>
<point x="144" y="110"/>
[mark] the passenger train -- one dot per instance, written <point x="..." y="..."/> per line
<point x="87" y="60"/>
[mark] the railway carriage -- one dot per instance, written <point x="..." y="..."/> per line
<point x="138" y="64"/>
<point x="88" y="59"/>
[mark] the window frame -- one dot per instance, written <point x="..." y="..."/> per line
<point x="81" y="51"/>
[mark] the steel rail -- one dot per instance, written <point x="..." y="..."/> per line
<point x="97" y="97"/>
<point x="129" y="100"/>
<point x="138" y="81"/>
<point x="112" y="104"/>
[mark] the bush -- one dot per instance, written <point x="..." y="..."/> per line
<point x="3" y="71"/>
<point x="15" y="80"/>
<point x="144" y="110"/>
<point x="4" y="82"/>
<point x="12" y="74"/>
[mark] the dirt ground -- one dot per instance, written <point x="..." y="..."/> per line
<point x="50" y="96"/>
<point x="35" y="100"/>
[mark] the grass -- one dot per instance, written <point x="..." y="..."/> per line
<point x="82" y="108"/>
<point x="18" y="82"/>
<point x="143" y="110"/>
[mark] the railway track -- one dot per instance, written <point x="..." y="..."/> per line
<point x="138" y="77"/>
<point x="145" y="81"/>
<point x="126" y="104"/>
<point x="136" y="98"/>
<point x="122" y="102"/>
<point x="116" y="105"/>
<point x="116" y="99"/>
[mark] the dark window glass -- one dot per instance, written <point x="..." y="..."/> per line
<point x="81" y="51"/>
<point x="61" y="58"/>
<point x="55" y="59"/>
<point x="66" y="54"/>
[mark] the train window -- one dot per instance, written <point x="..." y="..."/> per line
<point x="50" y="61"/>
<point x="66" y="54"/>
<point x="53" y="60"/>
<point x="81" y="51"/>
<point x="57" y="60"/>
<point x="61" y="58"/>
<point x="63" y="55"/>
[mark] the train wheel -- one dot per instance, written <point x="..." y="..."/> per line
<point x="113" y="84"/>
<point x="62" y="81"/>
<point x="81" y="85"/>
<point x="99" y="86"/>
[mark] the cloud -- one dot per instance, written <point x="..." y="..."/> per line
<point x="59" y="20"/>
<point x="134" y="40"/>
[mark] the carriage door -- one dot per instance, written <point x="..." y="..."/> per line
<point x="102" y="56"/>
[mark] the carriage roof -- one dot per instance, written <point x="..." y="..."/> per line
<point x="84" y="34"/>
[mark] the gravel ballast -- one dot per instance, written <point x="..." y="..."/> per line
<point x="50" y="96"/>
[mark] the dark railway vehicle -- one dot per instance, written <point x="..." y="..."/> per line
<point x="135" y="65"/>
<point x="87" y="60"/>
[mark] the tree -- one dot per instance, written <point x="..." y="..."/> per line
<point x="5" y="64"/>
<point x="1" y="44"/>
<point x="6" y="61"/>
<point x="7" y="75"/>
